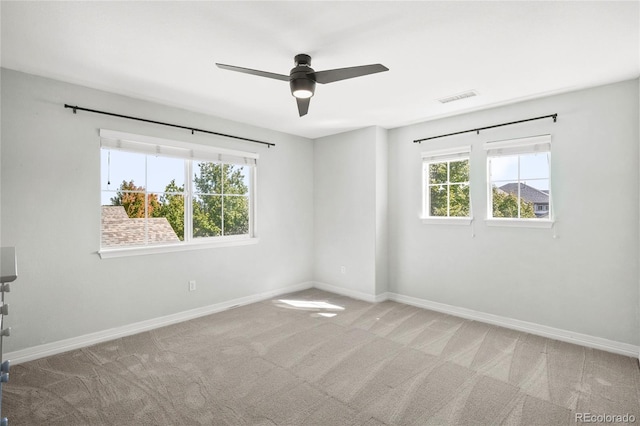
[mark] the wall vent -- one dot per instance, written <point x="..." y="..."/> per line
<point x="464" y="95"/>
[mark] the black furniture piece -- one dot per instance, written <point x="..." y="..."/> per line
<point x="8" y="274"/>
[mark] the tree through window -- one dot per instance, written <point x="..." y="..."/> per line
<point x="446" y="184"/>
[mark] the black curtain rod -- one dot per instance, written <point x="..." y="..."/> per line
<point x="554" y="116"/>
<point x="76" y="108"/>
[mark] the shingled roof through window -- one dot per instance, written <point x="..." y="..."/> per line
<point x="118" y="229"/>
<point x="527" y="193"/>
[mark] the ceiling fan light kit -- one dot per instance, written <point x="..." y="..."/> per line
<point x="302" y="78"/>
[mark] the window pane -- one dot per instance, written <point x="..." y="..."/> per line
<point x="236" y="215"/>
<point x="539" y="184"/>
<point x="459" y="201"/>
<point x="507" y="197"/>
<point x="534" y="166"/>
<point x="118" y="229"/>
<point x="207" y="178"/>
<point x="170" y="209"/>
<point x="128" y="223"/>
<point x="523" y="194"/>
<point x="438" y="173"/>
<point x="161" y="171"/>
<point x="207" y="216"/>
<point x="117" y="167"/>
<point x="459" y="171"/>
<point x="236" y="179"/>
<point x="527" y="209"/>
<point x="438" y="200"/>
<point x="132" y="198"/>
<point x="503" y="168"/>
<point x="504" y="204"/>
<point x="539" y="197"/>
<point x="107" y="198"/>
<point x="158" y="227"/>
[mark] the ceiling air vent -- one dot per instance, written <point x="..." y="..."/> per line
<point x="459" y="96"/>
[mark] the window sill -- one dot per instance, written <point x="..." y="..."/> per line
<point x="107" y="253"/>
<point x="446" y="220"/>
<point x="520" y="223"/>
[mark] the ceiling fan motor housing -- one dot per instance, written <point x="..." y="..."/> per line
<point x="301" y="78"/>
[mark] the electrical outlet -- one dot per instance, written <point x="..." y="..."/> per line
<point x="192" y="285"/>
<point x="343" y="269"/>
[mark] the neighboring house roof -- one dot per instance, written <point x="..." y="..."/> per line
<point x="527" y="193"/>
<point x="119" y="229"/>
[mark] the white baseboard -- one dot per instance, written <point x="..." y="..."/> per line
<point x="65" y="345"/>
<point x="527" y="327"/>
<point x="354" y="294"/>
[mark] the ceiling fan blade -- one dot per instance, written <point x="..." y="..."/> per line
<point x="329" y="76"/>
<point x="303" y="105"/>
<point x="254" y="72"/>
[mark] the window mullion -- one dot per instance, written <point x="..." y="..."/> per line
<point x="188" y="201"/>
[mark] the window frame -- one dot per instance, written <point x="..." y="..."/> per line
<point x="191" y="154"/>
<point x="518" y="147"/>
<point x="447" y="155"/>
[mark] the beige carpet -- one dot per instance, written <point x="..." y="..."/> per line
<point x="315" y="358"/>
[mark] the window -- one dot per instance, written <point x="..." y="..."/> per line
<point x="519" y="179"/>
<point x="161" y="195"/>
<point x="445" y="176"/>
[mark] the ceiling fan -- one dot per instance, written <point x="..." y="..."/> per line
<point x="302" y="78"/>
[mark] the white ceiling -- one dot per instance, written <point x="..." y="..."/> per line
<point x="166" y="52"/>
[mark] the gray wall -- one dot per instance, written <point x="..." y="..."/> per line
<point x="586" y="279"/>
<point x="382" y="211"/>
<point x="350" y="196"/>
<point x="50" y="212"/>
